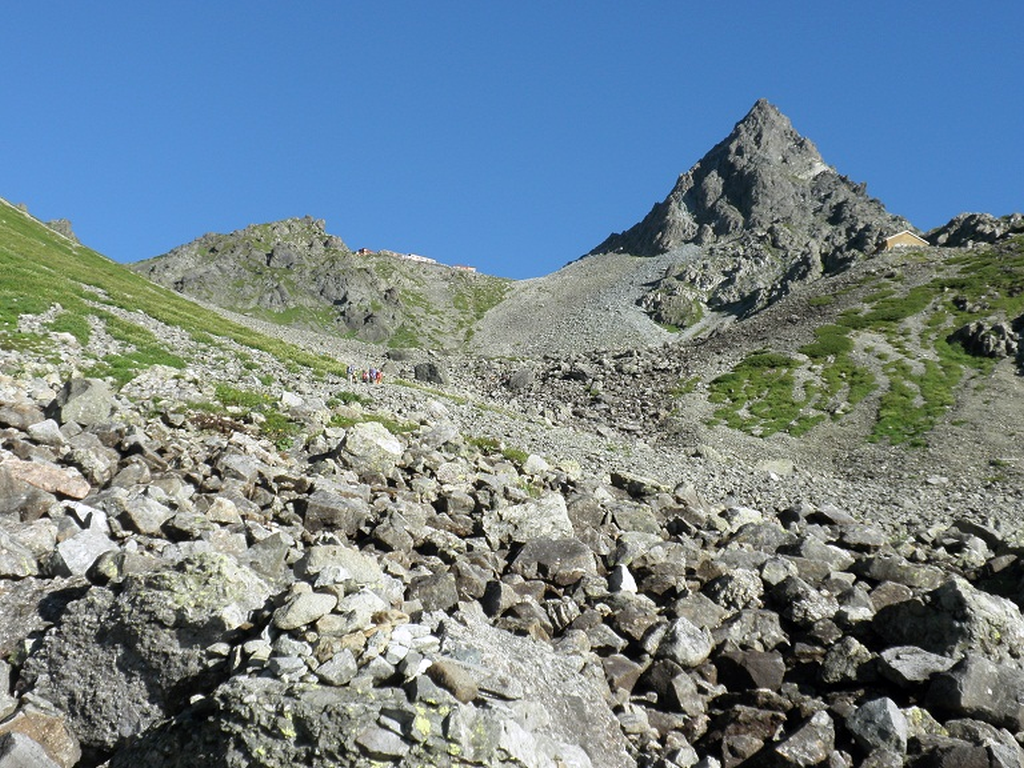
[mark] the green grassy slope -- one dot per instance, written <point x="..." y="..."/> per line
<point x="82" y="292"/>
<point x="888" y="339"/>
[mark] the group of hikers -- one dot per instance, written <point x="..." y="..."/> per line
<point x="366" y="375"/>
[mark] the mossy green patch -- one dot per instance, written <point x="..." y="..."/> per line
<point x="760" y="396"/>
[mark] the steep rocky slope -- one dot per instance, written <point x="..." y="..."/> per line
<point x="589" y="304"/>
<point x="764" y="177"/>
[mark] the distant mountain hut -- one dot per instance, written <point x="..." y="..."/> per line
<point x="901" y="239"/>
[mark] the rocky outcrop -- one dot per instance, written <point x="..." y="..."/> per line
<point x="294" y="272"/>
<point x="241" y="270"/>
<point x="763" y="178"/>
<point x="63" y="227"/>
<point x="969" y="229"/>
<point x="996" y="340"/>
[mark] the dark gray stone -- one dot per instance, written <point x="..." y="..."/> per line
<point x="743" y="670"/>
<point x="977" y="687"/>
<point x="118" y="663"/>
<point x="908" y="665"/>
<point x="810" y="744"/>
<point x="879" y="724"/>
<point x="430" y="372"/>
<point x="562" y="561"/>
<point x="328" y="511"/>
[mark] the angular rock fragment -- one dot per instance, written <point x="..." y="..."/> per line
<point x="86" y="402"/>
<point x="743" y="670"/>
<point x="879" y="724"/>
<point x="120" y="662"/>
<point x="302" y="609"/>
<point x="810" y="744"/>
<point x="685" y="644"/>
<point x="977" y="687"/>
<point x="908" y="665"/>
<point x="562" y="561"/>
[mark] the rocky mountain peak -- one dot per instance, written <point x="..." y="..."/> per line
<point x="764" y="178"/>
<point x="765" y="128"/>
<point x="766" y="141"/>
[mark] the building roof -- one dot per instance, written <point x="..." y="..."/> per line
<point x="907" y="232"/>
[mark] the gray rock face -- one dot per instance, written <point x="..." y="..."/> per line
<point x="371" y="448"/>
<point x="544" y="517"/>
<point x="956" y="617"/>
<point x="967" y="229"/>
<point x="770" y="212"/>
<point x="84" y="401"/>
<point x="62" y="227"/>
<point x="120" y="662"/>
<point x="685" y="644"/>
<point x="75" y="555"/>
<point x="997" y="340"/>
<point x="761" y="175"/>
<point x="879" y="724"/>
<point x="302" y="609"/>
<point x="430" y="372"/>
<point x="811" y="744"/>
<point x="909" y="665"/>
<point x="562" y="693"/>
<point x="977" y="687"/>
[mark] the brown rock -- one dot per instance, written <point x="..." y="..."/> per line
<point x="455" y="678"/>
<point x="66" y="481"/>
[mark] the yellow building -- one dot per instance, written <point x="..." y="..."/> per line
<point x="906" y="237"/>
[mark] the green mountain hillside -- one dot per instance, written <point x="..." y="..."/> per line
<point x="49" y="283"/>
<point x="292" y="272"/>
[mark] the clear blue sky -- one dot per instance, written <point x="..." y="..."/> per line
<point x="510" y="136"/>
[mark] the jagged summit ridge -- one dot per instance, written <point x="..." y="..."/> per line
<point x="764" y="178"/>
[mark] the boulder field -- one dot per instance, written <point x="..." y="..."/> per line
<point x="177" y="591"/>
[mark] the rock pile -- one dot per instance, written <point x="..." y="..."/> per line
<point x="173" y="594"/>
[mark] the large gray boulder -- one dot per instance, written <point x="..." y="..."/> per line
<point x="978" y="687"/>
<point x="954" y="618"/>
<point x="120" y="661"/>
<point x="879" y="724"/>
<point x="561" y="700"/>
<point x="371" y="449"/>
<point x="546" y="517"/>
<point x="86" y="402"/>
<point x="506" y="701"/>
